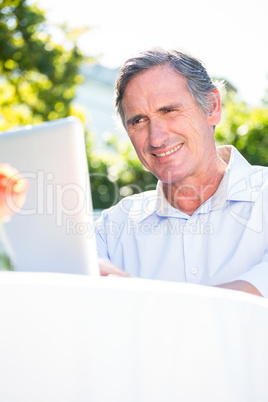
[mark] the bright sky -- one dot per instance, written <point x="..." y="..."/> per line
<point x="230" y="37"/>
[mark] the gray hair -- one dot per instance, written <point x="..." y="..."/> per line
<point x="199" y="83"/>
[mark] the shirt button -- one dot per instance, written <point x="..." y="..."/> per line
<point x="194" y="271"/>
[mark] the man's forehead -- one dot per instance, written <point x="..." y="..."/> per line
<point x="161" y="84"/>
<point x="156" y="72"/>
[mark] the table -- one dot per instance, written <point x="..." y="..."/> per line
<point x="72" y="338"/>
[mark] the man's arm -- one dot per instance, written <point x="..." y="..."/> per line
<point x="242" y="286"/>
<point x="107" y="268"/>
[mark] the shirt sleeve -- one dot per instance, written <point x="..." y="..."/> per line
<point x="101" y="241"/>
<point x="258" y="276"/>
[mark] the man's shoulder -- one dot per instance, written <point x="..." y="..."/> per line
<point x="259" y="175"/>
<point x="254" y="176"/>
<point x="133" y="206"/>
<point x="255" y="182"/>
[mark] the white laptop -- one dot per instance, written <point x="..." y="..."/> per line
<point x="53" y="232"/>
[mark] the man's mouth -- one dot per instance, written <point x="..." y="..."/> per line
<point x="171" y="151"/>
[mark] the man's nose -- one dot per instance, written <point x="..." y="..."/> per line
<point x="158" y="132"/>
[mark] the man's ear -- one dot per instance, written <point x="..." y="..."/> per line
<point x="215" y="108"/>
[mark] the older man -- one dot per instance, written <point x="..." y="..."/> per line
<point x="205" y="222"/>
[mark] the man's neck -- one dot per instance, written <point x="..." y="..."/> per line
<point x="188" y="195"/>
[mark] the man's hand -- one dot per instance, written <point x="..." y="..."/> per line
<point x="107" y="268"/>
<point x="241" y="285"/>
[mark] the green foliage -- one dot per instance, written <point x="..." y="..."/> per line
<point x="37" y="76"/>
<point x="246" y="128"/>
<point x="117" y="173"/>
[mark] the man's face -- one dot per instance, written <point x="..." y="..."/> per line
<point x="172" y="137"/>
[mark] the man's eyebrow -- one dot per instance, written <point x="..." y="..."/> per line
<point x="177" y="105"/>
<point x="132" y="119"/>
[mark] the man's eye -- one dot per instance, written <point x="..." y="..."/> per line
<point x="137" y="121"/>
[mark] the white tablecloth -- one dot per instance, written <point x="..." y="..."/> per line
<point x="68" y="338"/>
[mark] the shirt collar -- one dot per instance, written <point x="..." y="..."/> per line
<point x="241" y="181"/>
<point x="155" y="202"/>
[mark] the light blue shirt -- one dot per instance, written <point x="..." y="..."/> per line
<point x="226" y="239"/>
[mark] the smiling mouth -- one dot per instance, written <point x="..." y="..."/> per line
<point x="168" y="152"/>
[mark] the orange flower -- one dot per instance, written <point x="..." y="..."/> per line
<point x="13" y="189"/>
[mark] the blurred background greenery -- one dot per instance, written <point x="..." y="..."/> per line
<point x="38" y="82"/>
